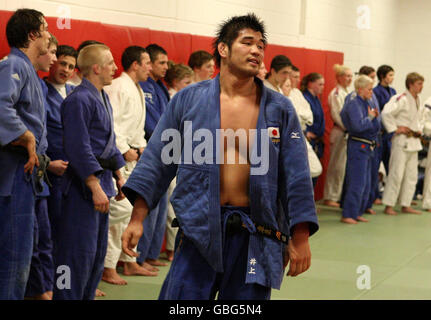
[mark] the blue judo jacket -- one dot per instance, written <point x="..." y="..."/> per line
<point x="88" y="133"/>
<point x="356" y="120"/>
<point x="280" y="197"/>
<point x="383" y="94"/>
<point x="21" y="109"/>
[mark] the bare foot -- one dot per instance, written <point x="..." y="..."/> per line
<point x="331" y="203"/>
<point x="43" y="296"/>
<point x="378" y="201"/>
<point x="100" y="293"/>
<point x="111" y="276"/>
<point x="390" y="211"/>
<point x="170" y="254"/>
<point x="349" y="220"/>
<point x="370" y="211"/>
<point x="410" y="210"/>
<point x="134" y="269"/>
<point x="427" y="210"/>
<point x="155" y="262"/>
<point x="362" y="219"/>
<point x="149" y="267"/>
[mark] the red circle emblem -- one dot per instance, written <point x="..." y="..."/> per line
<point x="363" y="146"/>
<point x="274" y="132"/>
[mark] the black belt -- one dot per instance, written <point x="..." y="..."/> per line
<point x="108" y="164"/>
<point x="234" y="224"/>
<point x="372" y="143"/>
<point x="41" y="170"/>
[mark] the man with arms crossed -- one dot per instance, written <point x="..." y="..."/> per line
<point x="220" y="249"/>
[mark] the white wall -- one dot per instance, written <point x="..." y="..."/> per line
<point x="398" y="34"/>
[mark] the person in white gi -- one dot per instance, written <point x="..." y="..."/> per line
<point x="426" y="118"/>
<point x="401" y="116"/>
<point x="303" y="110"/>
<point x="128" y="104"/>
<point x="338" y="144"/>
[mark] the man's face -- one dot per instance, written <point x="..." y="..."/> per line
<point x="246" y="53"/>
<point x="144" y="67"/>
<point x="62" y="70"/>
<point x="389" y="77"/>
<point x="108" y="69"/>
<point x="47" y="60"/>
<point x="42" y="41"/>
<point x="282" y="75"/>
<point x="417" y="87"/>
<point x="159" y="66"/>
<point x="206" y="71"/>
<point x="294" y="78"/>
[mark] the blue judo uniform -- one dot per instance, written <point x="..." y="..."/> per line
<point x="55" y="151"/>
<point x="206" y="259"/>
<point x="82" y="232"/>
<point x="42" y="266"/>
<point x="150" y="244"/>
<point x="359" y="154"/>
<point x="383" y="94"/>
<point x="22" y="109"/>
<point x="318" y="126"/>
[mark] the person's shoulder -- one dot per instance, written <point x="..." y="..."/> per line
<point x="400" y="97"/>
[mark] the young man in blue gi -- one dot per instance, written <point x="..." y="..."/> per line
<point x="384" y="92"/>
<point x="220" y="249"/>
<point x="89" y="145"/>
<point x="41" y="278"/>
<point x="22" y="126"/>
<point x="58" y="89"/>
<point x="156" y="100"/>
<point x="361" y="123"/>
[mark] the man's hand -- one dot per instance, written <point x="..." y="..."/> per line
<point x="130" y="238"/>
<point x="298" y="251"/>
<point x="58" y="167"/>
<point x="120" y="183"/>
<point x="131" y="155"/>
<point x="374" y="113"/>
<point x="402" y="130"/>
<point x="100" y="200"/>
<point x="28" y="141"/>
<point x="134" y="230"/>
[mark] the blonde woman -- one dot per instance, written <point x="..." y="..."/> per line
<point x="338" y="144"/>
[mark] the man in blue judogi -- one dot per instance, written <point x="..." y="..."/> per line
<point x="235" y="212"/>
<point x="22" y="126"/>
<point x="58" y="90"/>
<point x="384" y="92"/>
<point x="89" y="145"/>
<point x="156" y="100"/>
<point x="362" y="125"/>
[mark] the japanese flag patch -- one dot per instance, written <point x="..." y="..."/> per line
<point x="274" y="134"/>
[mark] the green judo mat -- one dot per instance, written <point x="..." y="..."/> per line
<point x="386" y="258"/>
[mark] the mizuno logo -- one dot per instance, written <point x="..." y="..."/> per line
<point x="16" y="76"/>
<point x="295" y="135"/>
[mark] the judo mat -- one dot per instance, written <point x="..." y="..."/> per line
<point x="388" y="258"/>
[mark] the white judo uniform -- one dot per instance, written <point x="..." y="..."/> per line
<point x="426" y="120"/>
<point x="305" y="115"/>
<point x="128" y="104"/>
<point x="402" y="110"/>
<point x="337" y="161"/>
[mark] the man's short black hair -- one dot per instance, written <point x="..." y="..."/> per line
<point x="279" y="62"/>
<point x="87" y="43"/>
<point x="21" y="24"/>
<point x="382" y="71"/>
<point x="65" y="50"/>
<point x="229" y="30"/>
<point x="198" y="58"/>
<point x="154" y="50"/>
<point x="130" y="55"/>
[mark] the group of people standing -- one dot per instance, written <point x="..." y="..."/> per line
<point x="374" y="128"/>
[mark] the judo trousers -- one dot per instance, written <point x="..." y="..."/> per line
<point x="192" y="278"/>
<point x="41" y="276"/>
<point x="54" y="204"/>
<point x="16" y="236"/>
<point x="336" y="167"/>
<point x="375" y="165"/>
<point x="81" y="248"/>
<point x="358" y="179"/>
<point x="150" y="244"/>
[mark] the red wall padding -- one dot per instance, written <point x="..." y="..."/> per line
<point x="179" y="46"/>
